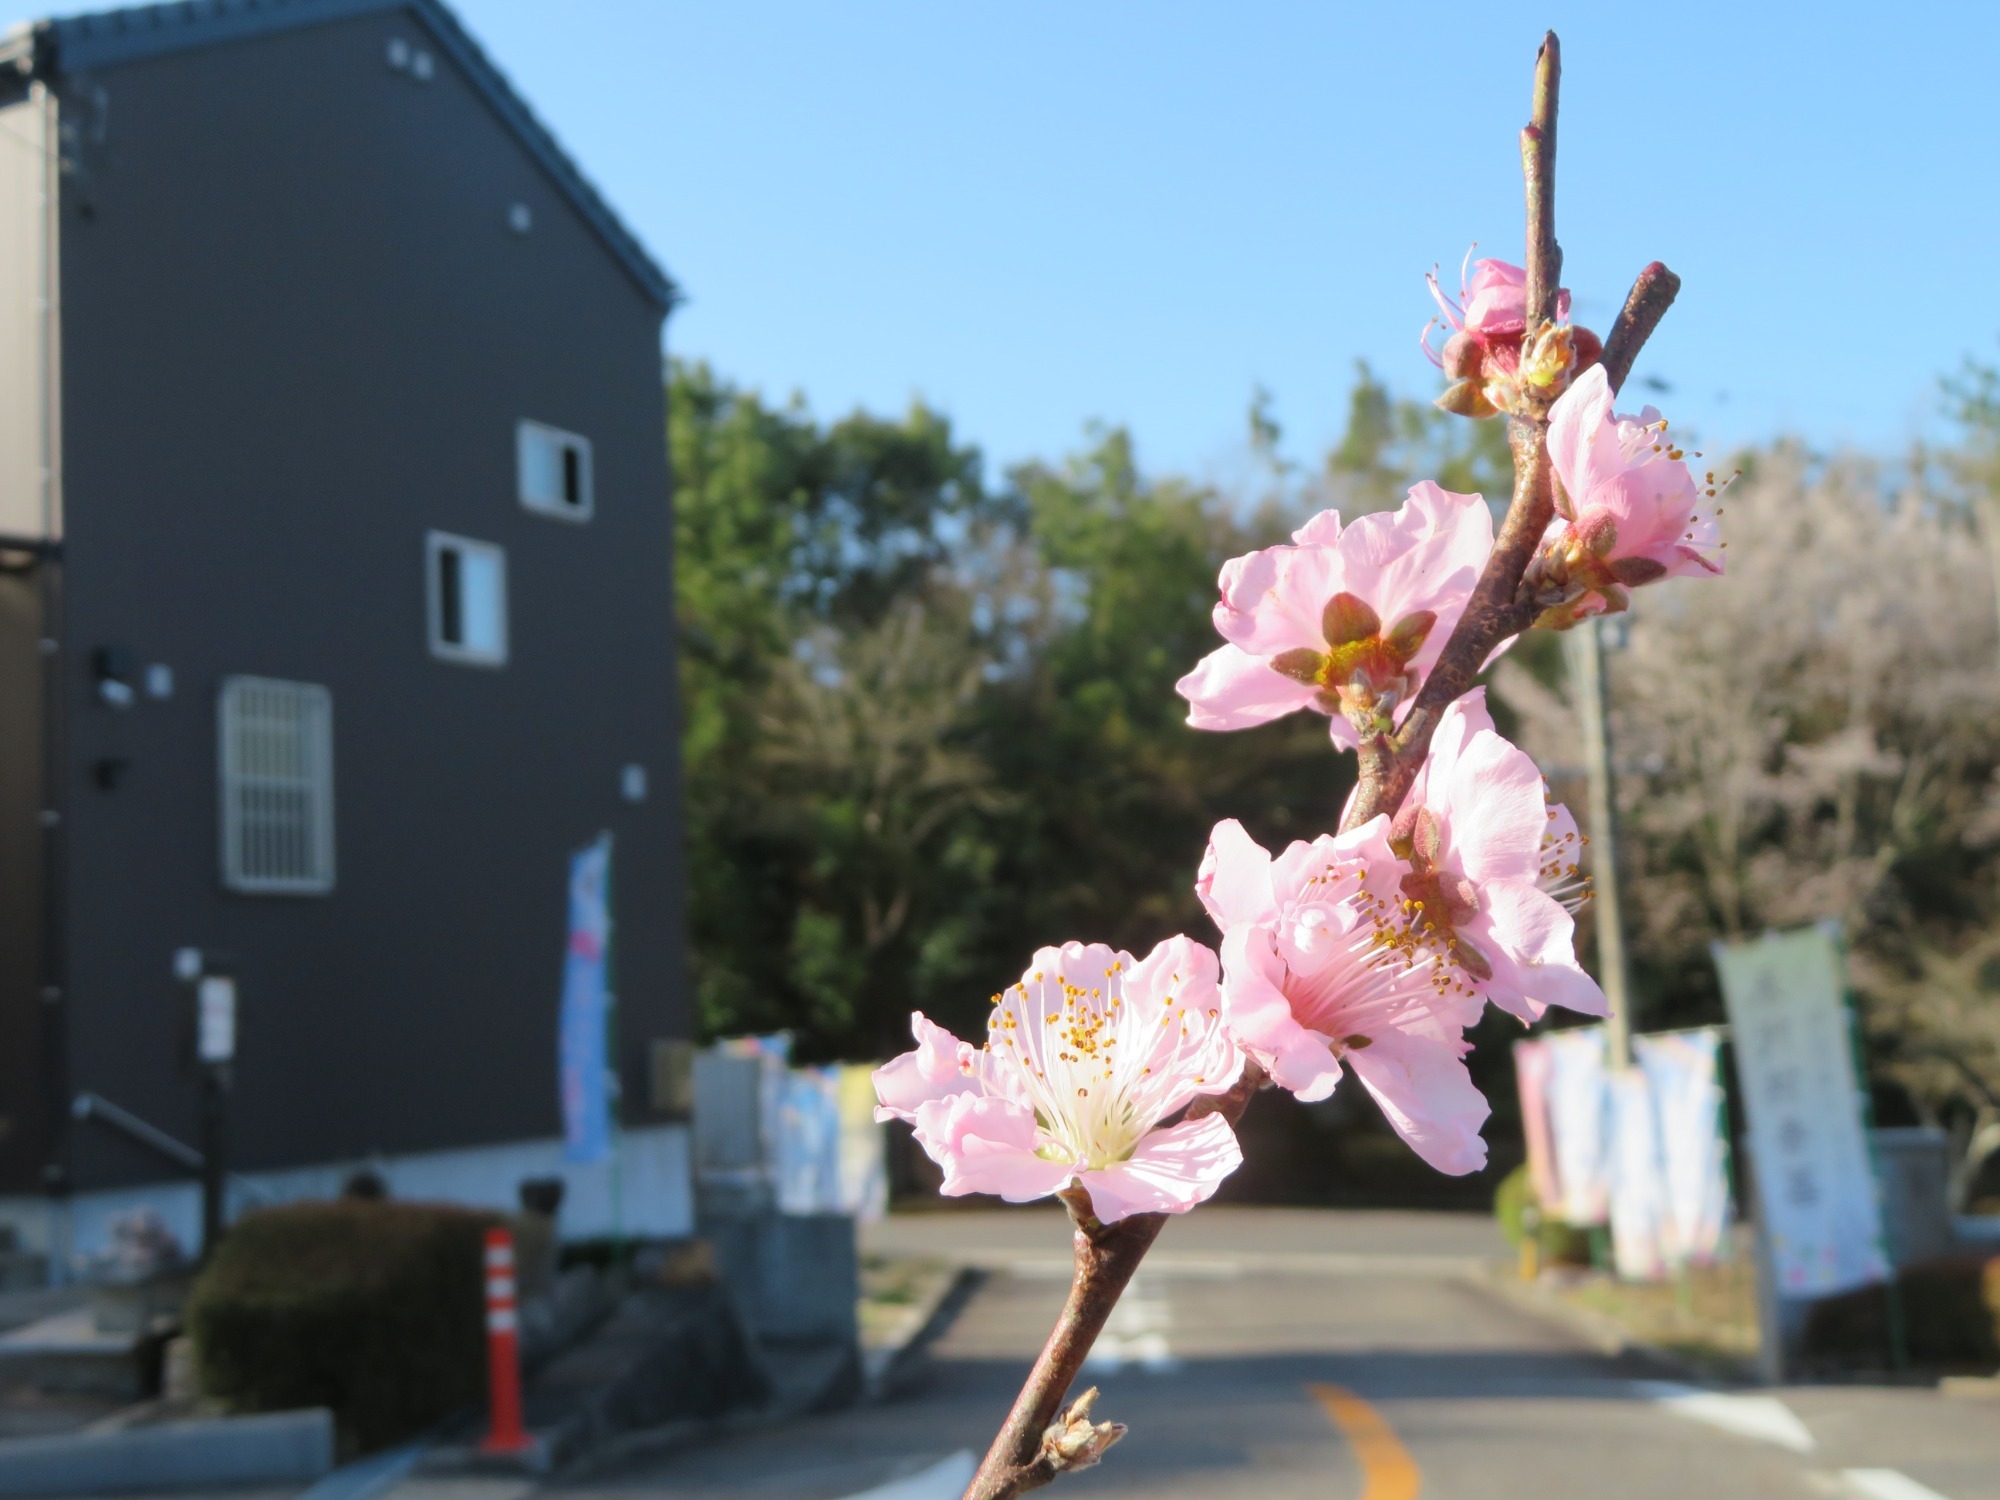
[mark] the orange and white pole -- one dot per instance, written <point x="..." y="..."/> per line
<point x="503" y="1350"/>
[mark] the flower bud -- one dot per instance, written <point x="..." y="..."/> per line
<point x="1462" y="355"/>
<point x="1073" y="1441"/>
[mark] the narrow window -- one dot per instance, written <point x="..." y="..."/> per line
<point x="276" y="775"/>
<point x="468" y="599"/>
<point x="553" y="471"/>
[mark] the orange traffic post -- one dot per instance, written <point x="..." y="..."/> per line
<point x="503" y="1350"/>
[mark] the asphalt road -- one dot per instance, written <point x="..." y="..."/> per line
<point x="1336" y="1357"/>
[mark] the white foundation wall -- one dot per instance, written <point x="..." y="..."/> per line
<point x="645" y="1190"/>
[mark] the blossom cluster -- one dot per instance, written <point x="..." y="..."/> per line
<point x="1373" y="950"/>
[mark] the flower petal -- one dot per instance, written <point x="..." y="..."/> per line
<point x="987" y="1145"/>
<point x="1419" y="1078"/>
<point x="1531" y="942"/>
<point x="1234" y="882"/>
<point x="940" y="1066"/>
<point x="1261" y="1018"/>
<point x="1169" y="1173"/>
<point x="1231" y="689"/>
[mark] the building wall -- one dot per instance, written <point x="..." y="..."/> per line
<point x="298" y="333"/>
<point x="644" y="1193"/>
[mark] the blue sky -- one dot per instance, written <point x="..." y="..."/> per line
<point x="1036" y="214"/>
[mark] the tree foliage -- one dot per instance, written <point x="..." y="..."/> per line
<point x="930" y="718"/>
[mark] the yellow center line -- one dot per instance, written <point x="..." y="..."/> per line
<point x="1387" y="1470"/>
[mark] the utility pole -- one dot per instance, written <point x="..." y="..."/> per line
<point x="1584" y="646"/>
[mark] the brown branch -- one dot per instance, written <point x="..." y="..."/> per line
<point x="1651" y="295"/>
<point x="1388" y="766"/>
<point x="1107" y="1255"/>
<point x="1538" y="170"/>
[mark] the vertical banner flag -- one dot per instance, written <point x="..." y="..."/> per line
<point x="1786" y="994"/>
<point x="583" y="1061"/>
<point x="1641" y="1229"/>
<point x="1579" y="1119"/>
<point x="1531" y="1074"/>
<point x="1681" y="1069"/>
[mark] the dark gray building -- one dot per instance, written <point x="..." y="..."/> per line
<point x="335" y="607"/>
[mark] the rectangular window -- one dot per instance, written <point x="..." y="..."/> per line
<point x="554" y="468"/>
<point x="467" y="590"/>
<point x="276" y="763"/>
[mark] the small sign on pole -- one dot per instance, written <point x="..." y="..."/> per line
<point x="215" y="1018"/>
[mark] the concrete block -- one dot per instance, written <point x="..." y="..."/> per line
<point x="274" y="1448"/>
<point x="1916" y="1213"/>
<point x="797" y="1277"/>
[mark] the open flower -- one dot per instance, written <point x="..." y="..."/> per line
<point x="1629" y="510"/>
<point x="1083" y="1060"/>
<point x="1345" y="621"/>
<point x="1325" y="969"/>
<point x="1474" y="832"/>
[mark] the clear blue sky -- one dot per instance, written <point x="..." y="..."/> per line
<point x="1036" y="214"/>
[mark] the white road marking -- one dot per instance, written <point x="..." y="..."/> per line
<point x="944" y="1480"/>
<point x="1763" y="1417"/>
<point x="1136" y="1332"/>
<point x="1885" y="1484"/>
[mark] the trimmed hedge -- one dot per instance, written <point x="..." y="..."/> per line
<point x="375" y="1309"/>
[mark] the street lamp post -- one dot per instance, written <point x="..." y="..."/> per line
<point x="1585" y="646"/>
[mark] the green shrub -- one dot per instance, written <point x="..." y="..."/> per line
<point x="1558" y="1242"/>
<point x="376" y="1310"/>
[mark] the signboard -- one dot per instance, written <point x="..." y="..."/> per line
<point x="215" y="1018"/>
<point x="1820" y="1213"/>
<point x="584" y="1055"/>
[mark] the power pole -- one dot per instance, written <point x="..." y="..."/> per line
<point x="1585" y="649"/>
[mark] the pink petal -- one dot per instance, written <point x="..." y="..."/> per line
<point x="940" y="1066"/>
<point x="1194" y="1054"/>
<point x="1582" y="447"/>
<point x="1531" y="942"/>
<point x="1323" y="530"/>
<point x="987" y="1145"/>
<point x="1169" y="1173"/>
<point x="1261" y="1017"/>
<point x="1420" y="1080"/>
<point x="1495" y="810"/>
<point x="1230" y="689"/>
<point x="1234" y="883"/>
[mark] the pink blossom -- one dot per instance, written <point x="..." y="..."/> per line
<point x="1494" y="303"/>
<point x="1325" y="969"/>
<point x="1487" y="354"/>
<point x="1346" y="620"/>
<point x="1630" y="509"/>
<point x="1083" y="1060"/>
<point x="1474" y="831"/>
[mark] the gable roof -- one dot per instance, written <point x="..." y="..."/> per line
<point x="53" y="48"/>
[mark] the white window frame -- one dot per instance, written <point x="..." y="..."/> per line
<point x="260" y="855"/>
<point x="436" y="542"/>
<point x="527" y="434"/>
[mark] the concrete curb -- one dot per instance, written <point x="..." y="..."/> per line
<point x="1602" y="1333"/>
<point x="929" y="1316"/>
<point x="276" y="1447"/>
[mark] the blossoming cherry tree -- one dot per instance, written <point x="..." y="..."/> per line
<point x="1450" y="883"/>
